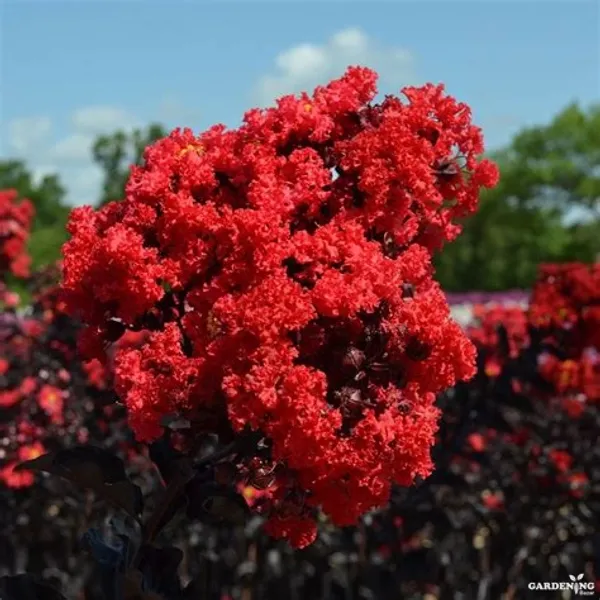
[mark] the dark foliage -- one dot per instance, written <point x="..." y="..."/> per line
<point x="515" y="499"/>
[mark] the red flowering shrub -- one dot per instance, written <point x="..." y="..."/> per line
<point x="565" y="296"/>
<point x="15" y="221"/>
<point x="519" y="442"/>
<point x="484" y="333"/>
<point x="565" y="306"/>
<point x="49" y="401"/>
<point x="284" y="271"/>
<point x="42" y="386"/>
<point x="516" y="477"/>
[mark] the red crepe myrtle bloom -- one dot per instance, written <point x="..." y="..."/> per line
<point x="283" y="270"/>
<point x="561" y="459"/>
<point x="492" y="500"/>
<point x="51" y="402"/>
<point x="565" y="294"/>
<point x="28" y="385"/>
<point x="574" y="406"/>
<point x="477" y="442"/>
<point x="9" y="398"/>
<point x="48" y="400"/>
<point x="30" y="452"/>
<point x="484" y="333"/>
<point x="252" y="495"/>
<point x="8" y="299"/>
<point x="578" y="483"/>
<point x="21" y="479"/>
<point x="15" y="221"/>
<point x="564" y="304"/>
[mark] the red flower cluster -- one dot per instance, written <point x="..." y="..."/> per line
<point x="565" y="305"/>
<point x="560" y="331"/>
<point x="567" y="297"/>
<point x="284" y="270"/>
<point x="32" y="399"/>
<point x="572" y="378"/>
<point x="47" y="397"/>
<point x="484" y="333"/>
<point x="20" y="479"/>
<point x="15" y="221"/>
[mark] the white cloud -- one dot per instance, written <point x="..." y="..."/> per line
<point x="40" y="171"/>
<point x="70" y="156"/>
<point x="84" y="183"/>
<point x="88" y="123"/>
<point x="76" y="147"/>
<point x="27" y="133"/>
<point x="102" y="119"/>
<point x="307" y="65"/>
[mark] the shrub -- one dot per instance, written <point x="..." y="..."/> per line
<point x="284" y="271"/>
<point x="290" y="340"/>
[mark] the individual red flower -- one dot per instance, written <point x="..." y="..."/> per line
<point x="30" y="452"/>
<point x="51" y="401"/>
<point x="20" y="479"/>
<point x="9" y="398"/>
<point x="493" y="367"/>
<point x="492" y="500"/>
<point x="96" y="372"/>
<point x="253" y="495"/>
<point x="578" y="483"/>
<point x="477" y="442"/>
<point x="574" y="407"/>
<point x="561" y="459"/>
<point x="28" y="385"/>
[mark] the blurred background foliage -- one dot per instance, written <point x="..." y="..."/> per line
<point x="545" y="209"/>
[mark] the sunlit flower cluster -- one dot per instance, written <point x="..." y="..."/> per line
<point x="284" y="271"/>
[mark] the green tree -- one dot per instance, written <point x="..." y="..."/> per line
<point x="501" y="246"/>
<point x="46" y="195"/>
<point x="48" y="232"/>
<point x="115" y="153"/>
<point x="546" y="208"/>
<point x="561" y="161"/>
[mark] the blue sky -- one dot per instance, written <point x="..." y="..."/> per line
<point x="71" y="70"/>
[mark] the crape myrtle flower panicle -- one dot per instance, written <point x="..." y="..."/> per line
<point x="15" y="222"/>
<point x="565" y="306"/>
<point x="283" y="272"/>
<point x="485" y="333"/>
<point x="567" y="297"/>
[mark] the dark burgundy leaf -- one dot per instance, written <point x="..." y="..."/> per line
<point x="27" y="587"/>
<point x="196" y="589"/>
<point x="133" y="588"/>
<point x="92" y="468"/>
<point x="159" y="569"/>
<point x="168" y="461"/>
<point x="215" y="503"/>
